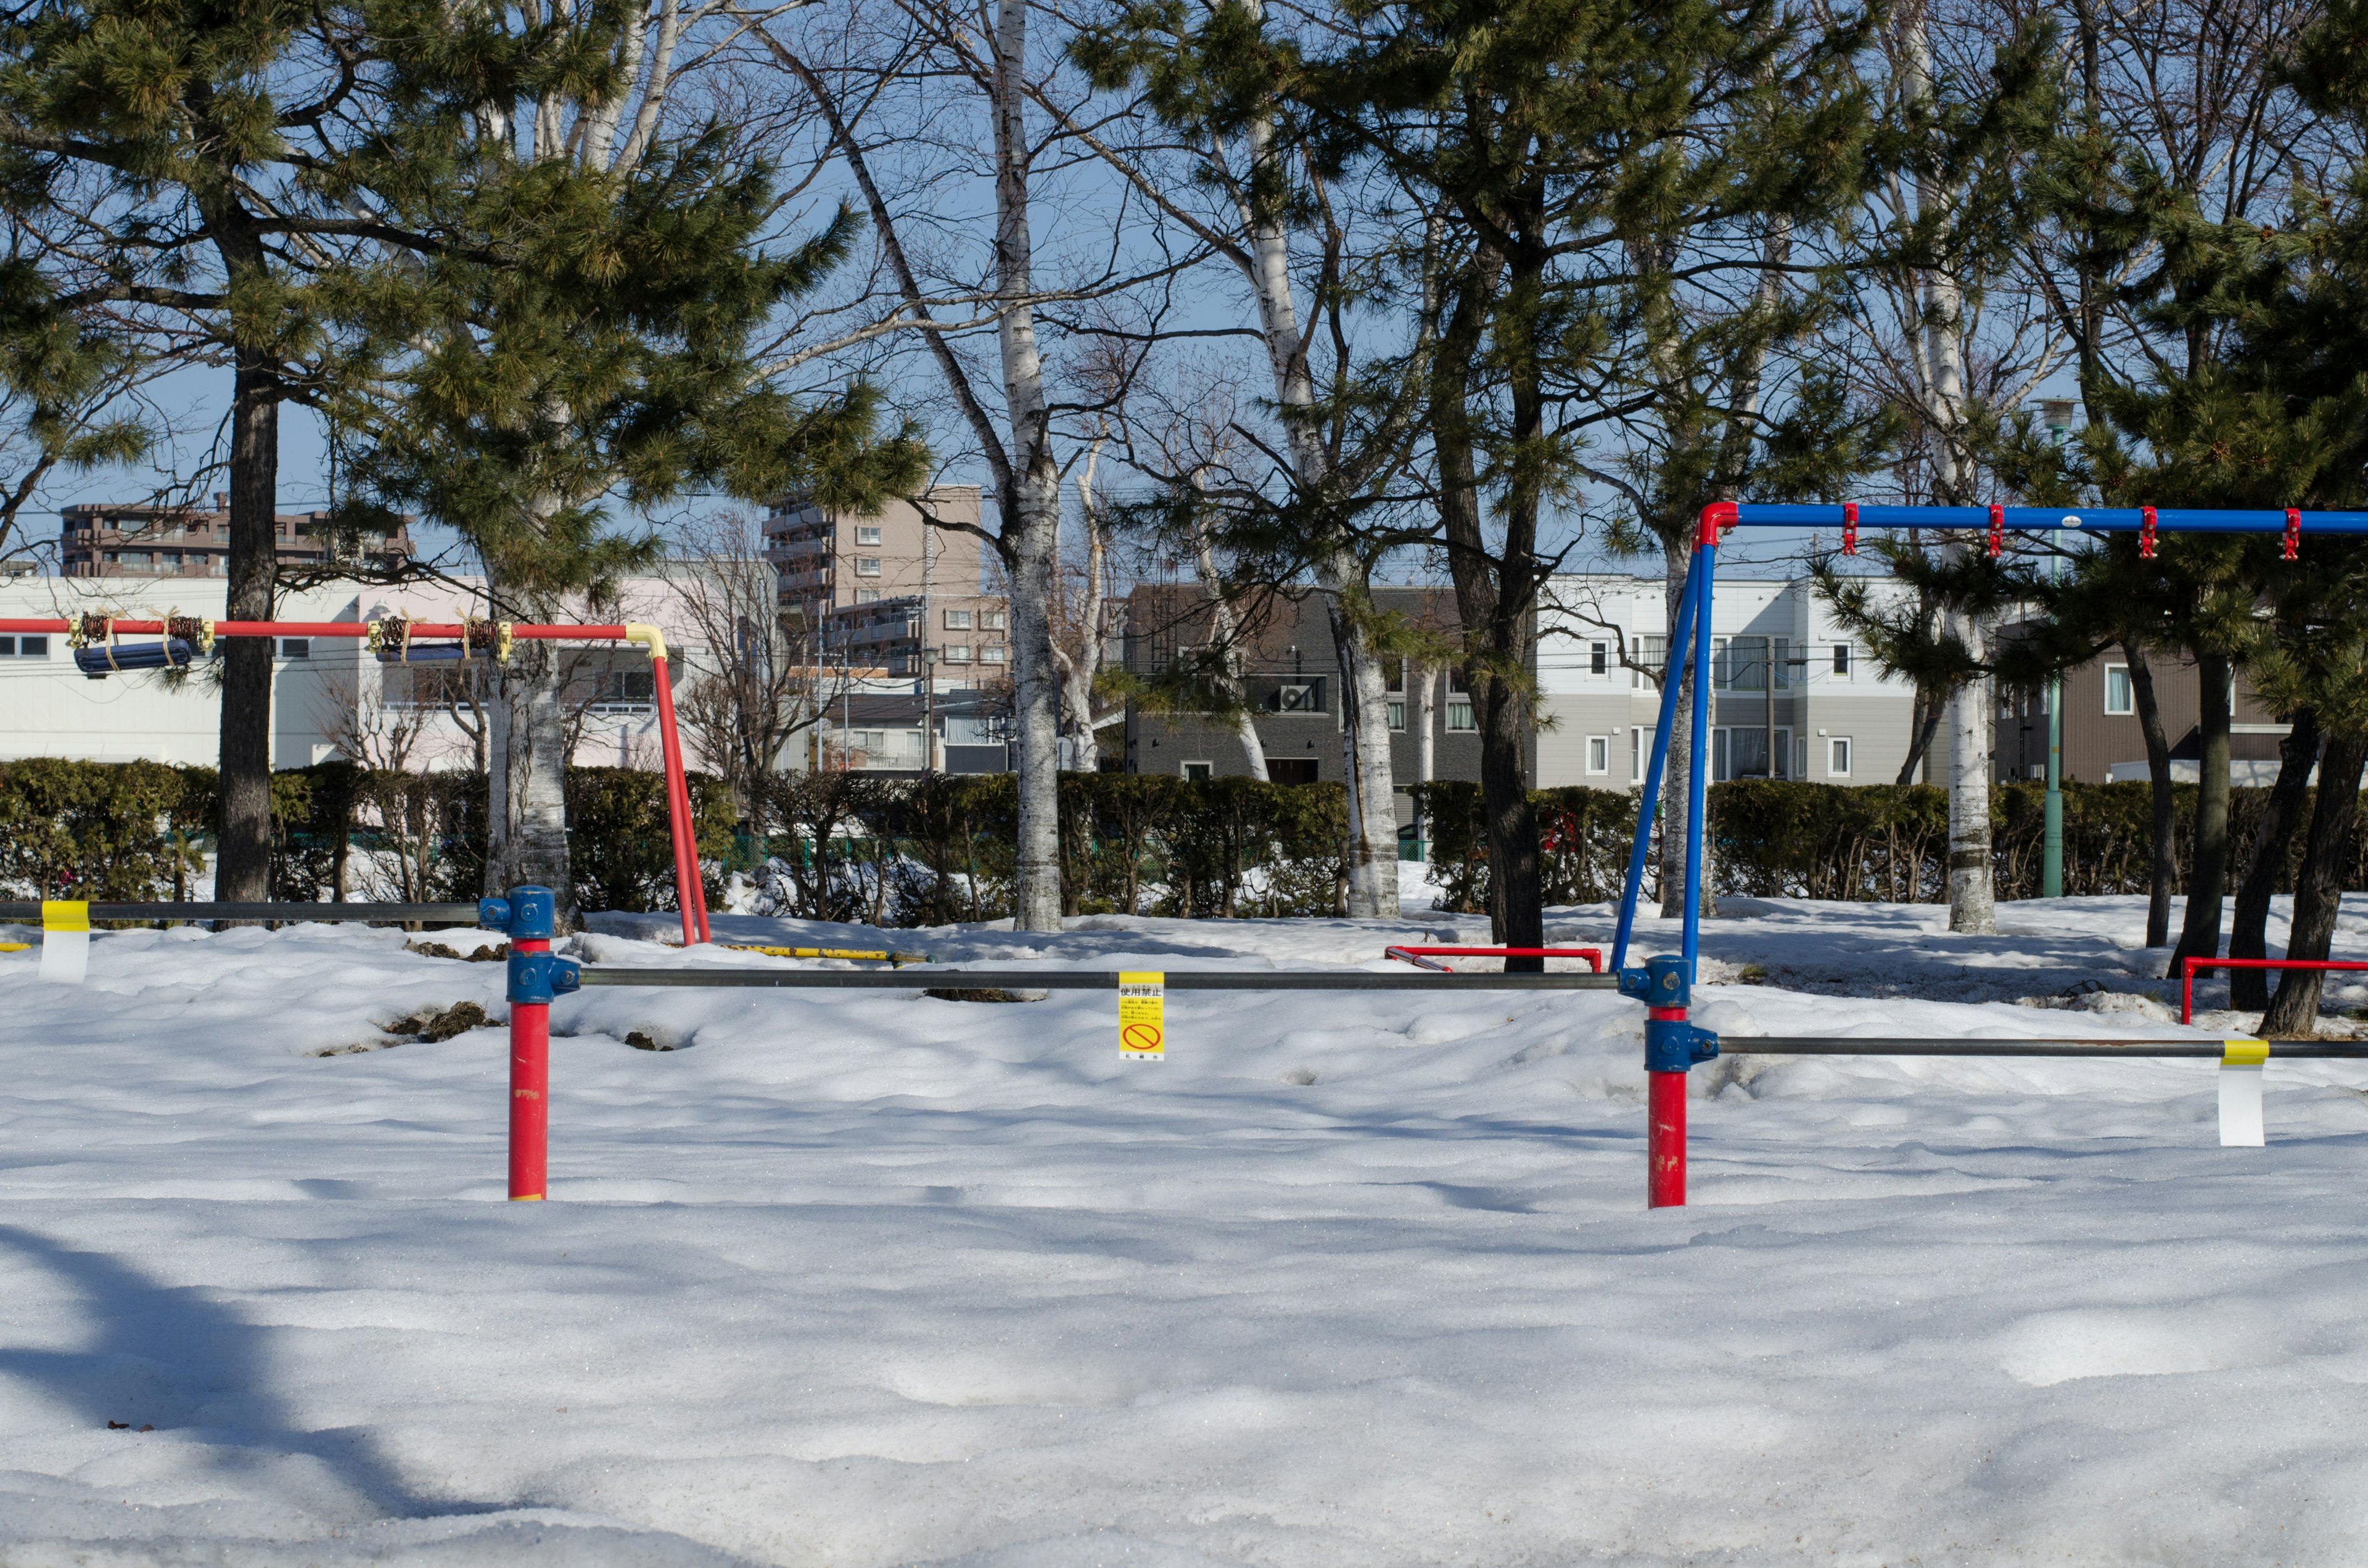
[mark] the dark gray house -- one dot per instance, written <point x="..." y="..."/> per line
<point x="1291" y="678"/>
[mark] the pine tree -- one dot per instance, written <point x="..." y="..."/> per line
<point x="584" y="336"/>
<point x="150" y="168"/>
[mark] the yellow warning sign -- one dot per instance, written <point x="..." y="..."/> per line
<point x="1143" y="1016"/>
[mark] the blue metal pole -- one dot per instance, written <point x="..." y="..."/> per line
<point x="1697" y="799"/>
<point x="1648" y="807"/>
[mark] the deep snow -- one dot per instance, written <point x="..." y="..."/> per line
<point x="865" y="1278"/>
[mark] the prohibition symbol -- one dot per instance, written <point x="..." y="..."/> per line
<point x="1139" y="1037"/>
<point x="1143" y="1016"/>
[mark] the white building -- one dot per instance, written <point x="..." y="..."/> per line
<point x="1830" y="716"/>
<point x="329" y="694"/>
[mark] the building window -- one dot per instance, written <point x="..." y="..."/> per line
<point x="24" y="647"/>
<point x="1393" y="675"/>
<point x="295" y="647"/>
<point x="867" y="596"/>
<point x="994" y="653"/>
<point x="1459" y="717"/>
<point x="1599" y="754"/>
<point x="1636" y="754"/>
<point x="2119" y="696"/>
<point x="867" y="566"/>
<point x="1599" y="658"/>
<point x="1397" y="713"/>
<point x="866" y="536"/>
<point x="990" y="620"/>
<point x="1841" y="660"/>
<point x="1838" y="757"/>
<point x="957" y="652"/>
<point x="628" y="688"/>
<point x="957" y="620"/>
<point x="1200" y="772"/>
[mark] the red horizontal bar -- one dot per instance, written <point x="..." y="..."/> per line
<point x="1594" y="956"/>
<point x="331" y="629"/>
<point x="2193" y="964"/>
<point x="2186" y="967"/>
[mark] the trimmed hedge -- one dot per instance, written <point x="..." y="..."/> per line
<point x="940" y="850"/>
<point x="136" y="832"/>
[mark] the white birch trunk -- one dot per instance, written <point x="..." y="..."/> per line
<point x="1080" y="668"/>
<point x="526" y="744"/>
<point x="1422" y="713"/>
<point x="1973" y="908"/>
<point x="1224" y="632"/>
<point x="1032" y="534"/>
<point x="1341" y="578"/>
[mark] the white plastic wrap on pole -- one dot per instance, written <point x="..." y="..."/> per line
<point x="65" y="941"/>
<point x="2240" y="1093"/>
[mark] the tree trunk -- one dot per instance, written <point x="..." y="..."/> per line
<point x="2319" y="890"/>
<point x="1515" y="915"/>
<point x="2165" y="873"/>
<point x="1364" y="749"/>
<point x="1924" y="723"/>
<point x="1225" y="633"/>
<point x="1339" y="576"/>
<point x="2207" y="881"/>
<point x="1030" y="525"/>
<point x="1973" y="909"/>
<point x="526" y="774"/>
<point x="242" y="866"/>
<point x="2249" y="934"/>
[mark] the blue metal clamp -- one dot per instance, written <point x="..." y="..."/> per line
<point x="1672" y="1045"/>
<point x="530" y="914"/>
<point x="1665" y="980"/>
<point x="538" y="977"/>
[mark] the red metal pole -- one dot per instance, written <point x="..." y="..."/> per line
<point x="1664" y="1120"/>
<point x="1666" y="1109"/>
<point x="2187" y="991"/>
<point x="687" y="892"/>
<point x="530" y="1089"/>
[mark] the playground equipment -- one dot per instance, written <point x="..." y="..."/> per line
<point x="1672" y="1044"/>
<point x="538" y="976"/>
<point x="2186" y="967"/>
<point x="394" y="640"/>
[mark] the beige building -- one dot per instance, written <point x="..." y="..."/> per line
<point x="887" y="590"/>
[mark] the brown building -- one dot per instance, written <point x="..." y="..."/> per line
<point x="2102" y="740"/>
<point x="1292" y="676"/>
<point x="876" y="591"/>
<point x="98" y="540"/>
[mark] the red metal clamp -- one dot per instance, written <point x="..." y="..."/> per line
<point x="1717" y="518"/>
<point x="1997" y="530"/>
<point x="2145" y="533"/>
<point x="2294" y="534"/>
<point x="1849" y="527"/>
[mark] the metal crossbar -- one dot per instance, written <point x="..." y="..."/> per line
<point x="1846" y="1045"/>
<point x="941" y="979"/>
<point x="447" y="913"/>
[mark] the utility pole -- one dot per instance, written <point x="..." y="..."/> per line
<point x="2057" y="413"/>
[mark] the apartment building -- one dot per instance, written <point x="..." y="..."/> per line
<point x="101" y="540"/>
<point x="889" y="592"/>
<point x="1793" y="694"/>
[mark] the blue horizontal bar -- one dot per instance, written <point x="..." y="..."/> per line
<point x="2050" y="519"/>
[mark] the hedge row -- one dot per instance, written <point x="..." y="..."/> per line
<point x="928" y="851"/>
<point x="135" y="831"/>
<point x="943" y="848"/>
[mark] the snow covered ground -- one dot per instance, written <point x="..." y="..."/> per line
<point x="1351" y="1279"/>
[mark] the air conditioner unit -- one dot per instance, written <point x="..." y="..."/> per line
<point x="1298" y="699"/>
